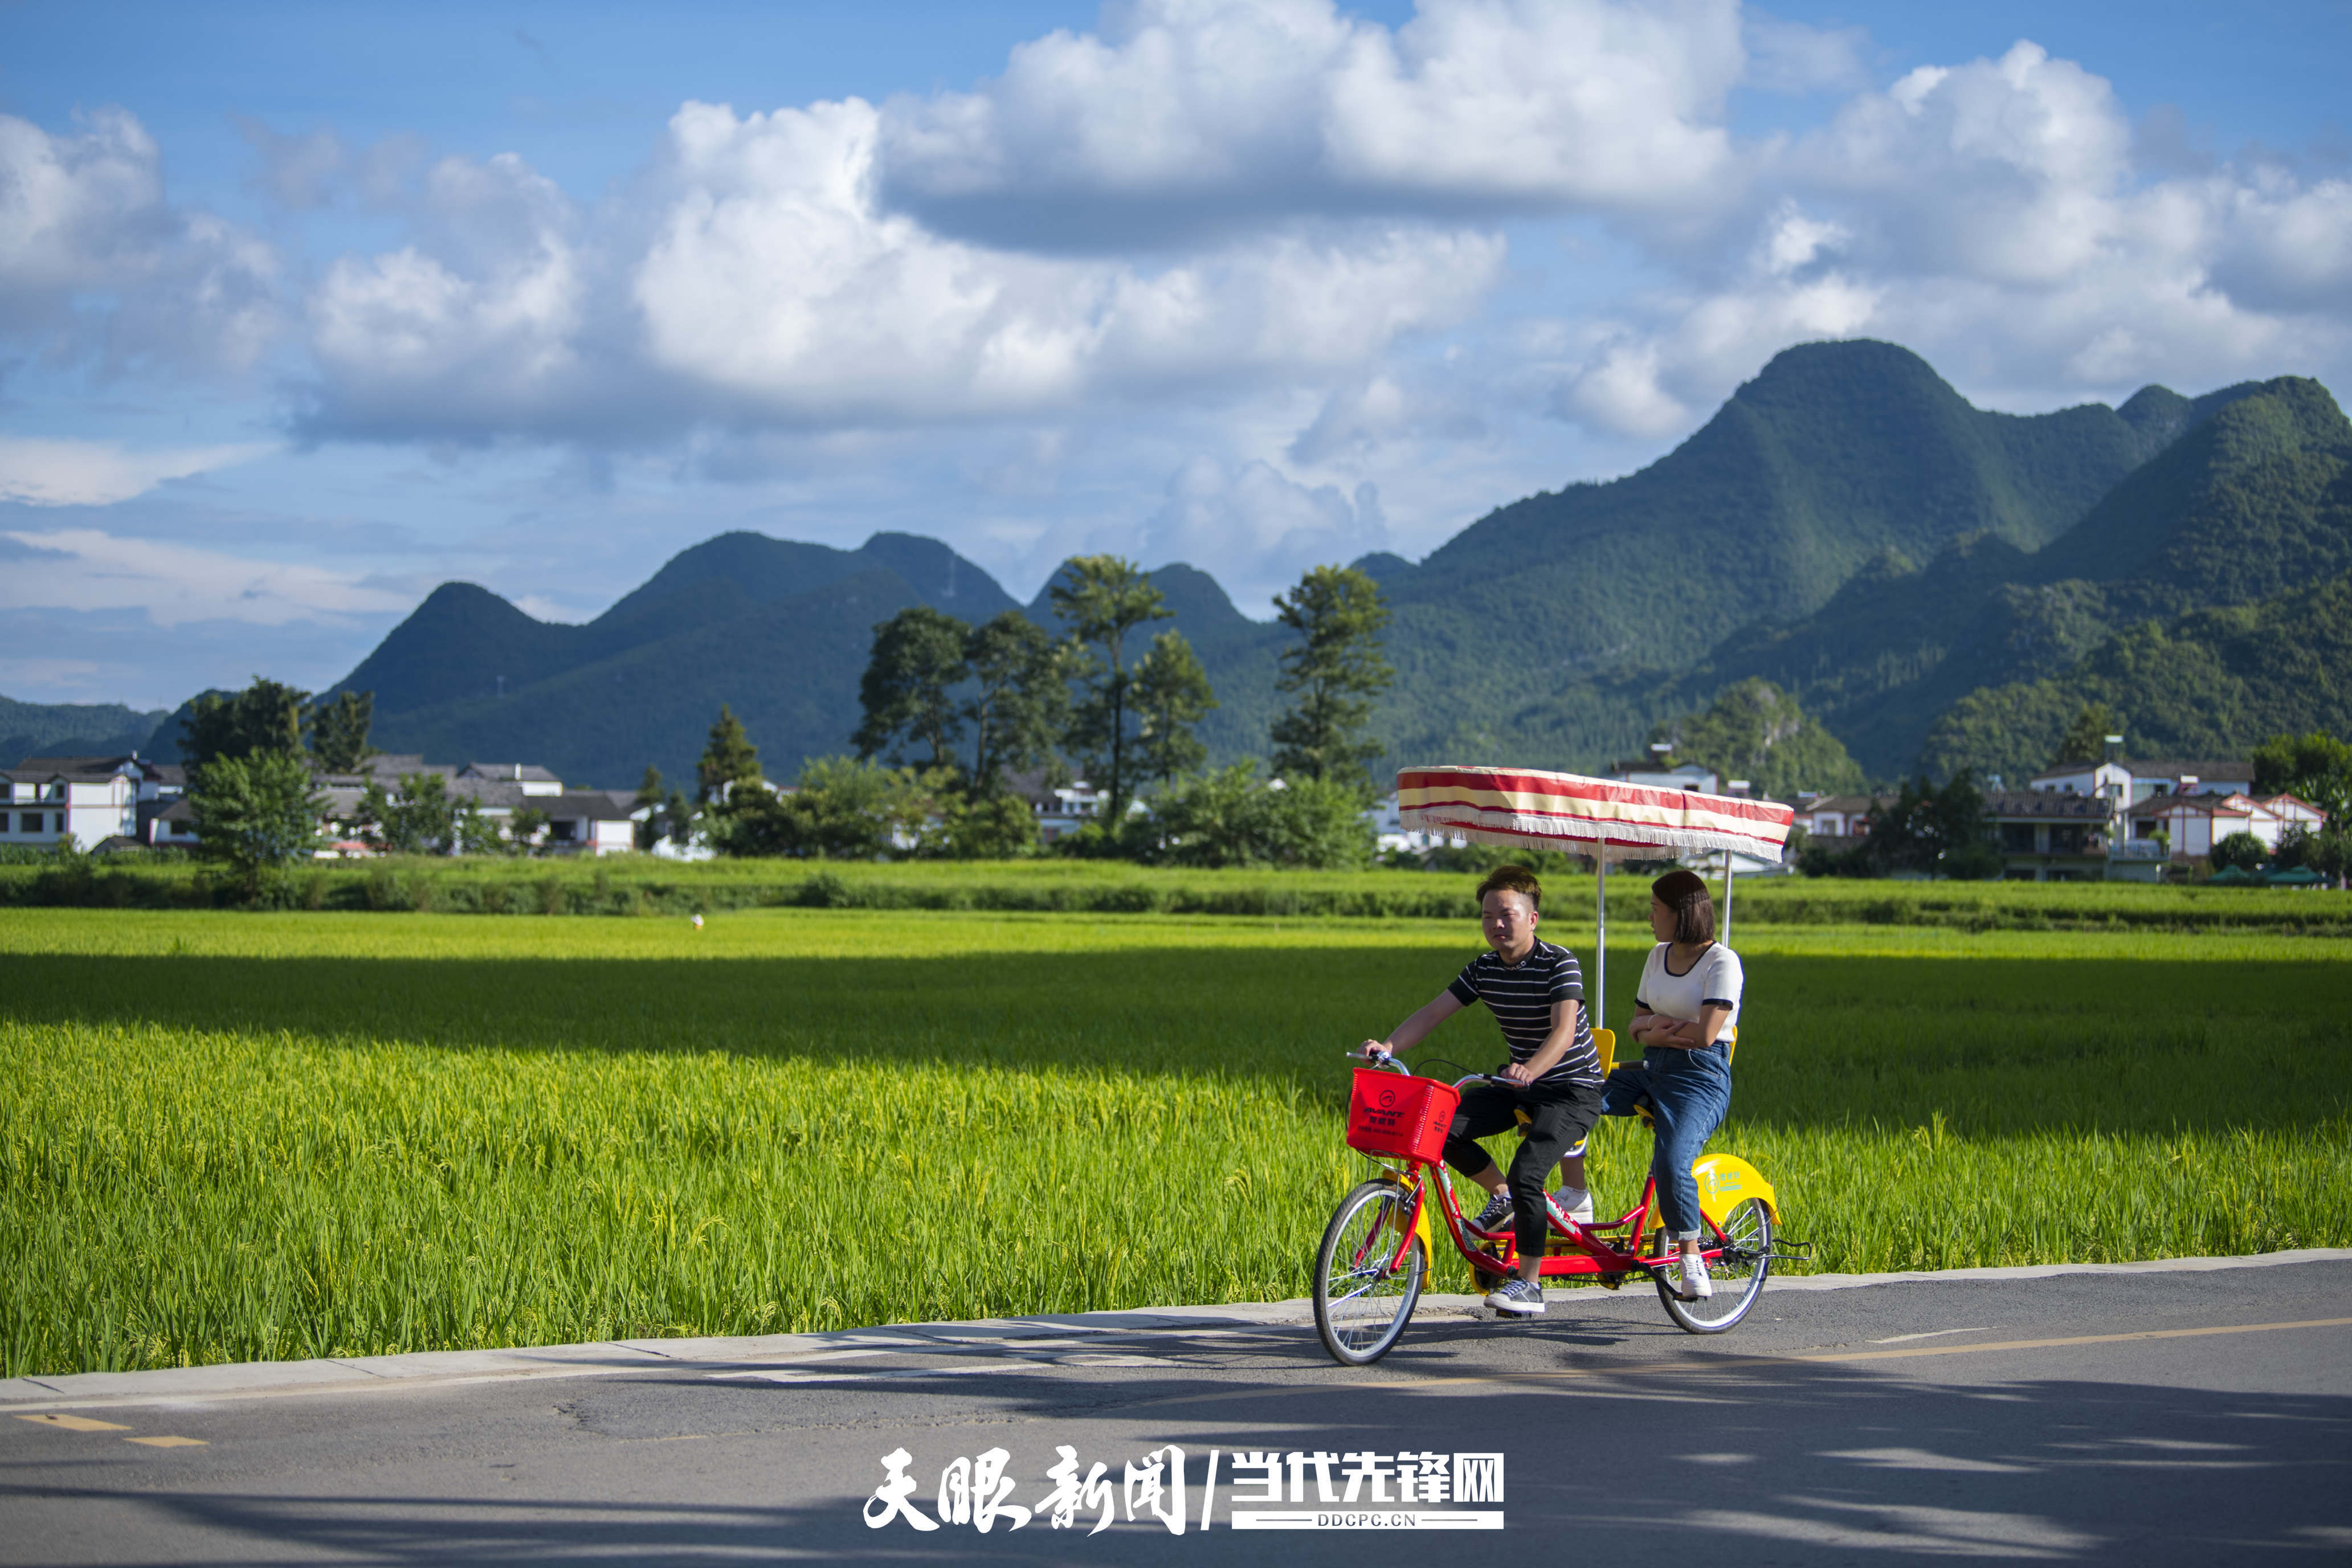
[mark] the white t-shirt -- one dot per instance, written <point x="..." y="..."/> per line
<point x="1715" y="978"/>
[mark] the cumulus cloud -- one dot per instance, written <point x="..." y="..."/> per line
<point x="757" y="279"/>
<point x="1991" y="215"/>
<point x="90" y="569"/>
<point x="96" y="264"/>
<point x="99" y="473"/>
<point x="1185" y="118"/>
<point x="1256" y="530"/>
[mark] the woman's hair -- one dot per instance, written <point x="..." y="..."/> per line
<point x="1684" y="892"/>
<point x="1512" y="879"/>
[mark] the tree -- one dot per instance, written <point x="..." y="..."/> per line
<point x="264" y="717"/>
<point x="474" y="831"/>
<point x="1020" y="701"/>
<point x="524" y="827"/>
<point x="1756" y="731"/>
<point x="1940" y="832"/>
<point x="2086" y="738"/>
<point x="649" y="800"/>
<point x="841" y="807"/>
<point x="1334" y="672"/>
<point x="254" y="813"/>
<point x="421" y="819"/>
<point x="2316" y="767"/>
<point x="1231" y="817"/>
<point x="918" y="659"/>
<point x="1172" y="694"/>
<point x="728" y="760"/>
<point x="1101" y="598"/>
<point x="339" y="731"/>
<point x="2242" y="851"/>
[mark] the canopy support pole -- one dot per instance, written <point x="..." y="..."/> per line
<point x="1726" y="897"/>
<point x="1600" y="938"/>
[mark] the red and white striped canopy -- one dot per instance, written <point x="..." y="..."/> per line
<point x="1579" y="816"/>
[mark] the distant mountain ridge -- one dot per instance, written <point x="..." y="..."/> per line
<point x="1846" y="525"/>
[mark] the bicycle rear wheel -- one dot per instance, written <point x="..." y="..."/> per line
<point x="1746" y="1237"/>
<point x="1362" y="1304"/>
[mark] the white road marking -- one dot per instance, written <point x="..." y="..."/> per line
<point x="1931" y="1334"/>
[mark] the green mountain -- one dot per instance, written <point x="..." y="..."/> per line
<point x="71" y="729"/>
<point x="779" y="630"/>
<point x="2245" y="502"/>
<point x="1847" y="528"/>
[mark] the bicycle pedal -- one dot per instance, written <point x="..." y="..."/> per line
<point x="1610" y="1281"/>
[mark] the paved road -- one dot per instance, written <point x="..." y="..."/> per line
<point x="2150" y="1418"/>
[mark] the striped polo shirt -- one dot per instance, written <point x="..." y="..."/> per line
<point x="1521" y="994"/>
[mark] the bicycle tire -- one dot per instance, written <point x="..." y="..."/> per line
<point x="1362" y="1305"/>
<point x="1747" y="1238"/>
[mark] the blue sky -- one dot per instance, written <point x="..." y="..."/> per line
<point x="306" y="309"/>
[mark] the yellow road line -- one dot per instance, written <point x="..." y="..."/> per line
<point x="75" y="1422"/>
<point x="2081" y="1340"/>
<point x="168" y="1442"/>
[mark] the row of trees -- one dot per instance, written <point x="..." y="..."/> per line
<point x="953" y="712"/>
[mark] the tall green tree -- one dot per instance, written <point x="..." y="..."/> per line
<point x="1020" y="701"/>
<point x="264" y="717"/>
<point x="2316" y="767"/>
<point x="1172" y="695"/>
<point x="1333" y="672"/>
<point x="649" y="799"/>
<point x="339" y="731"/>
<point x="2086" y="740"/>
<point x="728" y="759"/>
<point x="1941" y="832"/>
<point x="255" y="814"/>
<point x="1101" y="599"/>
<point x="918" y="659"/>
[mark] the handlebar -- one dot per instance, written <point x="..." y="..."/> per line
<point x="1387" y="1062"/>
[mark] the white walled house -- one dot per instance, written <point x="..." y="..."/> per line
<point x="87" y="800"/>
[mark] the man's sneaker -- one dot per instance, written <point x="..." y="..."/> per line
<point x="1520" y="1297"/>
<point x="1495" y="1217"/>
<point x="1692" y="1282"/>
<point x="1563" y="1211"/>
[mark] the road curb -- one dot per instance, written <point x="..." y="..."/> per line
<point x="436" y="1369"/>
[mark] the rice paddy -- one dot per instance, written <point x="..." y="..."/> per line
<point x="232" y="1137"/>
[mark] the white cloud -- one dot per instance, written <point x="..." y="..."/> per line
<point x="88" y="569"/>
<point x="95" y="263"/>
<point x="1990" y="216"/>
<point x="756" y="280"/>
<point x="1188" y="117"/>
<point x="1256" y="530"/>
<point x="99" y="473"/>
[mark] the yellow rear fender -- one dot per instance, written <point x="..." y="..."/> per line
<point x="1727" y="1181"/>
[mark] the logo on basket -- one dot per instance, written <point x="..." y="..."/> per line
<point x="1388" y="1099"/>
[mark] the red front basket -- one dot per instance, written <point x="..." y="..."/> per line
<point x="1402" y="1117"/>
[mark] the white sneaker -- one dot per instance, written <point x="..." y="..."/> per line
<point x="1563" y="1210"/>
<point x="1694" y="1285"/>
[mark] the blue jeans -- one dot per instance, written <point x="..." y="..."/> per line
<point x="1687" y="1092"/>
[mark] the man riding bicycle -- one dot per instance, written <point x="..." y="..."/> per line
<point x="1535" y="991"/>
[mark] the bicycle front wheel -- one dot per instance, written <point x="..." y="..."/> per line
<point x="1364" y="1294"/>
<point x="1738" y="1275"/>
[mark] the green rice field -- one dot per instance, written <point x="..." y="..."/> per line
<point x="229" y="1137"/>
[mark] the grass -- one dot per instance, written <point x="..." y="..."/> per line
<point x="227" y="1137"/>
<point x="642" y="885"/>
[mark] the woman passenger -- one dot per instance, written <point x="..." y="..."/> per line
<point x="1684" y="1015"/>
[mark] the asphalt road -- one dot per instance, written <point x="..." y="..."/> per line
<point x="2143" y="1417"/>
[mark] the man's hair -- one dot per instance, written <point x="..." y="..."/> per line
<point x="1512" y="879"/>
<point x="1684" y="892"/>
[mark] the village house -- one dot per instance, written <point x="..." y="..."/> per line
<point x="91" y="801"/>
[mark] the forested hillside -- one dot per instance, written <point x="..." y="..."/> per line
<point x="70" y="728"/>
<point x="1930" y="581"/>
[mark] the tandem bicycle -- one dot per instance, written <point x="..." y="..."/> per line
<point x="1377" y="1252"/>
